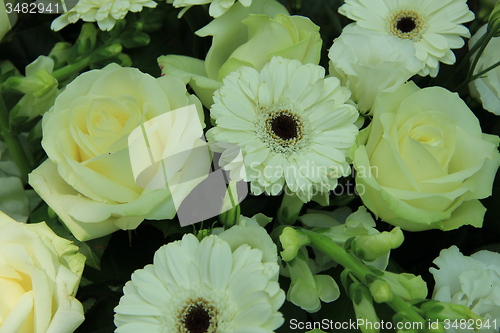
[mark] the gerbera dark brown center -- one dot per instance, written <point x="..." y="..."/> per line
<point x="406" y="24"/>
<point x="197" y="320"/>
<point x="198" y="316"/>
<point x="284" y="126"/>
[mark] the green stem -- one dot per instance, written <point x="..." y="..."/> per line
<point x="353" y="264"/>
<point x="290" y="208"/>
<point x="465" y="60"/>
<point x="495" y="65"/>
<point x="231" y="216"/>
<point x="476" y="76"/>
<point x="68" y="70"/>
<point x="400" y="306"/>
<point x="337" y="253"/>
<point x="12" y="141"/>
<point x="489" y="34"/>
<point x="461" y="85"/>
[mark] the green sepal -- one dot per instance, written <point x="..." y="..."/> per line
<point x="140" y="39"/>
<point x="105" y="52"/>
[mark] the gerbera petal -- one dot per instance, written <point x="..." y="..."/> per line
<point x="221" y="265"/>
<point x="138" y="327"/>
<point x="434" y="22"/>
<point x="295" y="109"/>
<point x="150" y="288"/>
<point x="255" y="314"/>
<point x="239" y="105"/>
<point x="231" y="288"/>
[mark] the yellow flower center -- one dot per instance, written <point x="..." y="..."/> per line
<point x="406" y="24"/>
<point x="428" y="135"/>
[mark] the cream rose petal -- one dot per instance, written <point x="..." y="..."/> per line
<point x="39" y="277"/>
<point x="430" y="159"/>
<point x="89" y="178"/>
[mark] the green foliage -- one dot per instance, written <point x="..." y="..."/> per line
<point x="138" y="40"/>
<point x="169" y="228"/>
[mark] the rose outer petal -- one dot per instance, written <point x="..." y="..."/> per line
<point x="58" y="195"/>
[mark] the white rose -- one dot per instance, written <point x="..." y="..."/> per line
<point x="425" y="162"/>
<point x="88" y="179"/>
<point x="39" y="276"/>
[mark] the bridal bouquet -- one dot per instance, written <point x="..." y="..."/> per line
<point x="249" y="166"/>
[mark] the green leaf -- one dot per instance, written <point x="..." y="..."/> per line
<point x="93" y="250"/>
<point x="357" y="291"/>
<point x="132" y="29"/>
<point x="138" y="40"/>
<point x="6" y="75"/>
<point x="289" y="310"/>
<point x="118" y="28"/>
<point x="370" y="278"/>
<point x="348" y="242"/>
<point x="84" y="282"/>
<point x="347" y="278"/>
<point x="169" y="227"/>
<point x="88" y="303"/>
<point x="73" y="56"/>
<point x="321" y="230"/>
<point x="16" y="120"/>
<point x="42" y="214"/>
<point x="375" y="270"/>
<point x="338" y="311"/>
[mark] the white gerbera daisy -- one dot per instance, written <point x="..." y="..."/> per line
<point x="195" y="287"/>
<point x="435" y="27"/>
<point x="216" y="9"/>
<point x="104" y="12"/>
<point x="291" y="123"/>
<point x="370" y="64"/>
